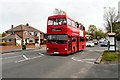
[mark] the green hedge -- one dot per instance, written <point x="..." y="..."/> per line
<point x="3" y="44"/>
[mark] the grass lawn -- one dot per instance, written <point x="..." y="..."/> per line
<point x="111" y="57"/>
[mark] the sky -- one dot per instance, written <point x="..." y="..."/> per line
<point x="36" y="12"/>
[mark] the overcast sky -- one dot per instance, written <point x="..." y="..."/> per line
<point x="35" y="12"/>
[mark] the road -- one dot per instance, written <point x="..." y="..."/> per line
<point x="38" y="64"/>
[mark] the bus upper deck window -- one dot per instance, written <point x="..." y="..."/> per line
<point x="61" y="21"/>
<point x="57" y="21"/>
<point x="64" y="22"/>
<point x="50" y="22"/>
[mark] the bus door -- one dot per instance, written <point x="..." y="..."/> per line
<point x="70" y="44"/>
<point x="77" y="43"/>
<point x="74" y="44"/>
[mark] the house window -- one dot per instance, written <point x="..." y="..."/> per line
<point x="37" y="34"/>
<point x="31" y="33"/>
<point x="3" y="40"/>
<point x="9" y="40"/>
<point x="25" y="32"/>
<point x="31" y="41"/>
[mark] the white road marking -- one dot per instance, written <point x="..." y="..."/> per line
<point x="82" y="53"/>
<point x="35" y="57"/>
<point x="96" y="50"/>
<point x="41" y="54"/>
<point x="89" y="59"/>
<point x="83" y="60"/>
<point x="20" y="61"/>
<point x="25" y="57"/>
<point x="76" y="59"/>
<point x="12" y="57"/>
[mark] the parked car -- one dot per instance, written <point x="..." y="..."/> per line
<point x="101" y="40"/>
<point x="90" y="44"/>
<point x="95" y="41"/>
<point x="104" y="43"/>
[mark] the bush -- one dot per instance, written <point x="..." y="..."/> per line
<point x="30" y="43"/>
<point x="3" y="44"/>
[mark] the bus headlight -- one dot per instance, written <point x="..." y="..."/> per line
<point x="65" y="48"/>
<point x="47" y="48"/>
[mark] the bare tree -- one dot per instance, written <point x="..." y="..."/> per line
<point x="110" y="17"/>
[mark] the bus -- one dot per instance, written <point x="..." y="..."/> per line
<point x="64" y="35"/>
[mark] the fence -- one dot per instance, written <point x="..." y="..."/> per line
<point x="15" y="47"/>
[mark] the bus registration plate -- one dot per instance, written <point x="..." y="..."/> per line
<point x="56" y="52"/>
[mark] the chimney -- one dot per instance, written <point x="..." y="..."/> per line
<point x="11" y="26"/>
<point x="27" y="24"/>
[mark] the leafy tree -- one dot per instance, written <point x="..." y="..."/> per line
<point x="3" y="34"/>
<point x="91" y="31"/>
<point x="95" y="33"/>
<point x="117" y="30"/>
<point x="100" y="34"/>
<point x="0" y="35"/>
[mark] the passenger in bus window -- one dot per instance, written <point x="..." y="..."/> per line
<point x="64" y="21"/>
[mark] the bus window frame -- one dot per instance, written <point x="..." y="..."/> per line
<point x="71" y="23"/>
<point x="55" y="22"/>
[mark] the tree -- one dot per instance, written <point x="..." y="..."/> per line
<point x="117" y="30"/>
<point x="110" y="21"/>
<point x="95" y="33"/>
<point x="3" y="34"/>
<point x="100" y="34"/>
<point x="110" y="17"/>
<point x="91" y="31"/>
<point x="0" y="35"/>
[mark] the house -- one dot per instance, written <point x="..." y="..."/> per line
<point x="11" y="39"/>
<point x="26" y="33"/>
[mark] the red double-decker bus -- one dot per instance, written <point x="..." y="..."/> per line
<point x="64" y="35"/>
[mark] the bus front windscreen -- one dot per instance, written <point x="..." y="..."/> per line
<point x="58" y="39"/>
<point x="57" y="21"/>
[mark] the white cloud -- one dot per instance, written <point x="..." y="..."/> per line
<point x="35" y="12"/>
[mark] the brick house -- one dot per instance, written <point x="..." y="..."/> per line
<point x="28" y="34"/>
<point x="11" y="39"/>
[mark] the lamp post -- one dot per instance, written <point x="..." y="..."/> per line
<point x="111" y="26"/>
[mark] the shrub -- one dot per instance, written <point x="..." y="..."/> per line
<point x="3" y="44"/>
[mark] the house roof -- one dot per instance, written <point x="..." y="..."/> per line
<point x="11" y="36"/>
<point x="24" y="28"/>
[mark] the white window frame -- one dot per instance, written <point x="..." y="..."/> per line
<point x="31" y="33"/>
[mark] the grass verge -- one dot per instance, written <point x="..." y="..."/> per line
<point x="111" y="56"/>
